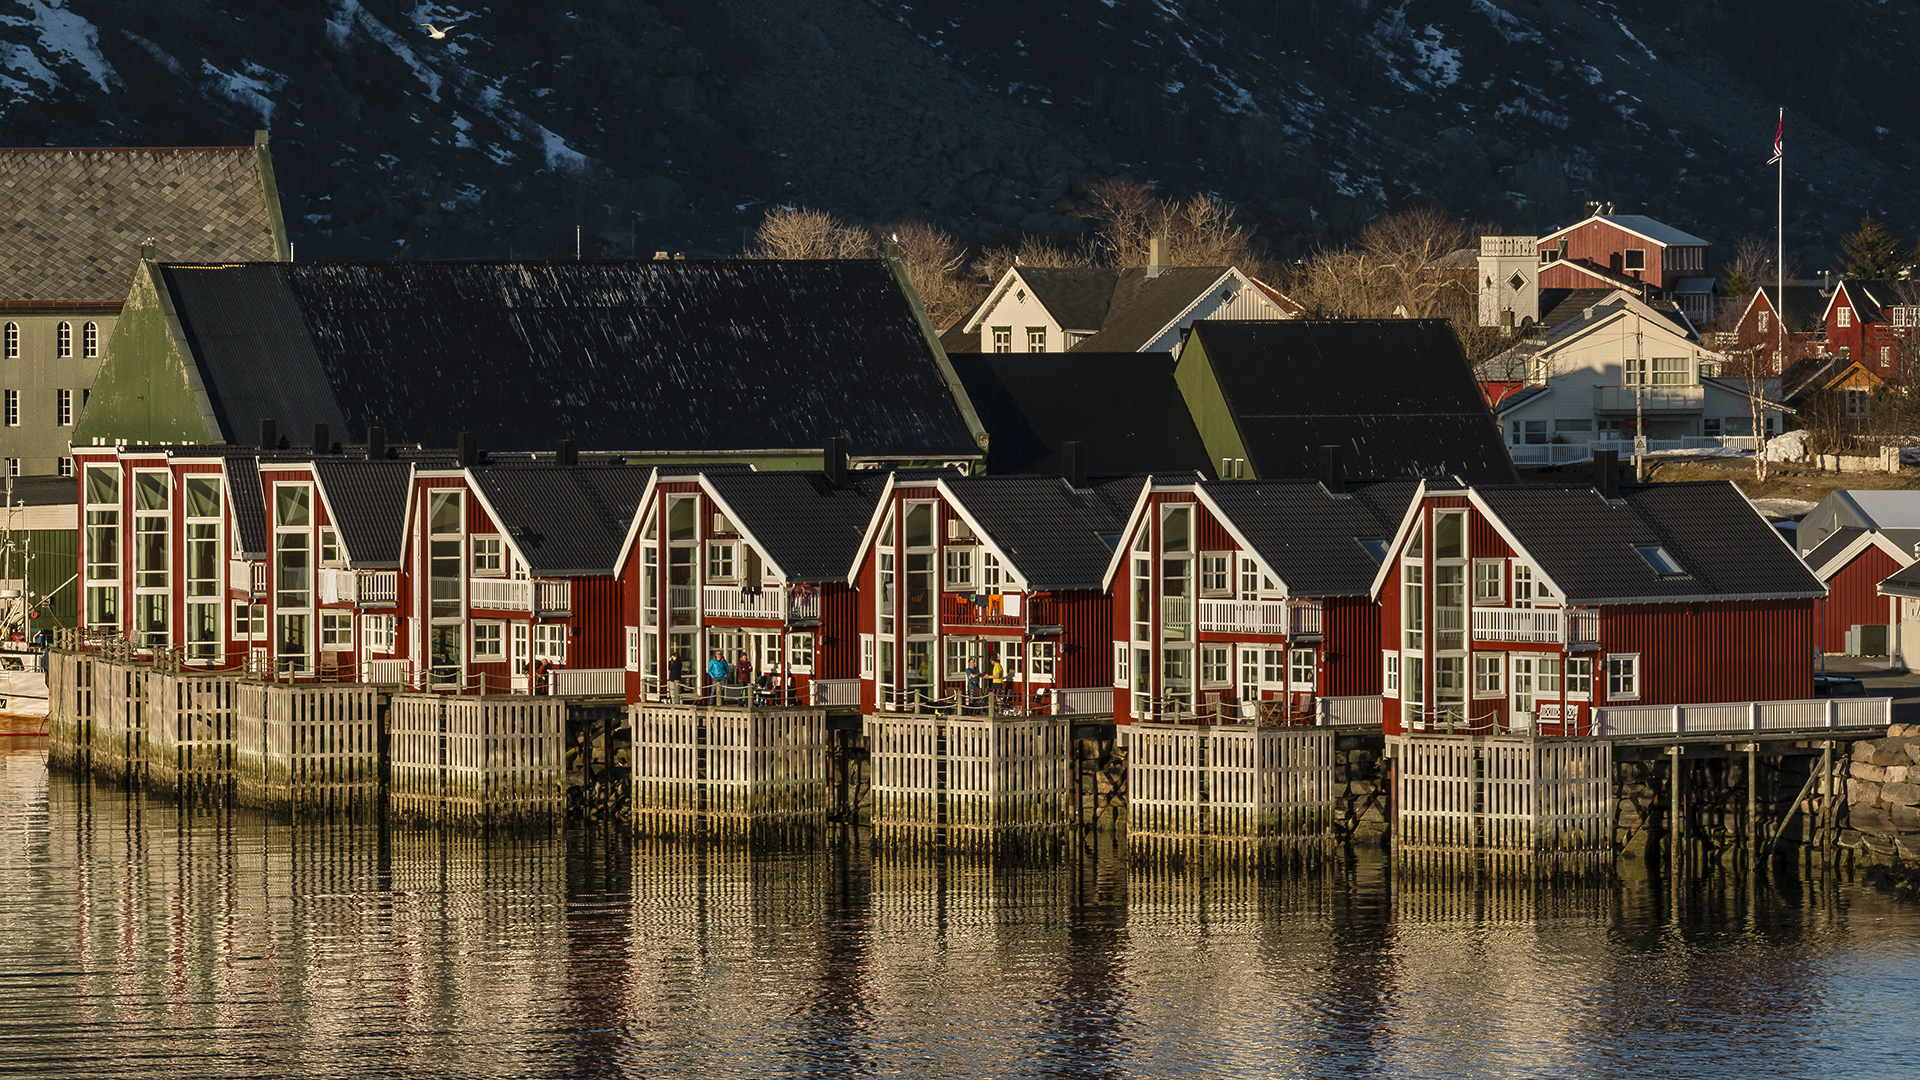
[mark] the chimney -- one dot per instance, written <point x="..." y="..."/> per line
<point x="269" y="435"/>
<point x="321" y="443"/>
<point x="1156" y="256"/>
<point x="466" y="449"/>
<point x="1606" y="474"/>
<point x="1332" y="476"/>
<point x="376" y="444"/>
<point x="1073" y="464"/>
<point x="566" y="453"/>
<point x="833" y="461"/>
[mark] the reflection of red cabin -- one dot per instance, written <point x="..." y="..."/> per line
<point x="1248" y="599"/>
<point x="958" y="571"/>
<point x="1509" y="608"/>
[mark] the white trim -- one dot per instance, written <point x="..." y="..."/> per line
<point x="1197" y="298"/>
<point x="881" y="507"/>
<point x="1854" y="548"/>
<point x="739" y="529"/>
<point x="1539" y="571"/>
<point x="1392" y="556"/>
<point x="639" y="515"/>
<point x="1247" y="549"/>
<point x="1691" y="241"/>
<point x="1121" y="546"/>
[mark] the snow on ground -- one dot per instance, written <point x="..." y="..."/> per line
<point x="1778" y="509"/>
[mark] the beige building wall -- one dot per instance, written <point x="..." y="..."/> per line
<point x="35" y="430"/>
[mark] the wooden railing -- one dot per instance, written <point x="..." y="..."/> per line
<point x="1244" y="616"/>
<point x="733" y="602"/>
<point x="388" y="671"/>
<point x="836" y="691"/>
<point x="1820" y="714"/>
<point x="588" y="682"/>
<point x="553" y="597"/>
<point x="1517" y="624"/>
<point x="500" y="594"/>
<point x="962" y="609"/>
<point x="247" y="574"/>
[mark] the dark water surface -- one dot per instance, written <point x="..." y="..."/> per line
<point x="144" y="940"/>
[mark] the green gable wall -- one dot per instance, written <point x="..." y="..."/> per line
<point x="55" y="561"/>
<point x="1208" y="404"/>
<point x="148" y="391"/>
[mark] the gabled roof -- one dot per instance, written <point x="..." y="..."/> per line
<point x="368" y="503"/>
<point x="72" y="219"/>
<point x="1054" y="537"/>
<point x="1902" y="582"/>
<point x="565" y="522"/>
<point x="1587" y="545"/>
<point x="1868" y="298"/>
<point x="640" y="357"/>
<point x="1145" y="305"/>
<point x="1123" y="408"/>
<point x="1395" y="395"/>
<point x="1308" y="539"/>
<point x="1805" y="311"/>
<point x="1517" y="361"/>
<point x="1835" y="542"/>
<point x="1078" y="297"/>
<point x="807" y="528"/>
<point x="1639" y="224"/>
<point x="1839" y="550"/>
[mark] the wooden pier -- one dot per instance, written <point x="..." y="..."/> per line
<point x="727" y="767"/>
<point x="476" y="760"/>
<point x="971" y="782"/>
<point x="1233" y="784"/>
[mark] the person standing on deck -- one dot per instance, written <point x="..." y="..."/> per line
<point x="676" y="670"/>
<point x="717" y="673"/>
<point x="997" y="676"/>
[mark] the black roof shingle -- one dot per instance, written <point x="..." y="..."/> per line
<point x="1056" y="536"/>
<point x="368" y="500"/>
<point x="568" y="522"/>
<point x="1123" y="408"/>
<point x="1310" y="539"/>
<point x="805" y="526"/>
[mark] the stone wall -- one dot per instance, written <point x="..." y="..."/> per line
<point x="1882" y="810"/>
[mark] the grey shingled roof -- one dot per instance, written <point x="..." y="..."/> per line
<point x="1658" y="231"/>
<point x="249" y="504"/>
<point x="735" y="355"/>
<point x="1057" y="537"/>
<point x="808" y="528"/>
<point x="369" y="503"/>
<point x="1078" y="297"/>
<point x="1903" y="582"/>
<point x="1586" y="544"/>
<point x="1309" y="538"/>
<point x="1143" y="305"/>
<point x="72" y="220"/>
<point x="1834" y="543"/>
<point x="1395" y="395"/>
<point x="568" y="522"/>
<point x="1123" y="408"/>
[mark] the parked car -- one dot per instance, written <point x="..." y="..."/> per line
<point x="1838" y="686"/>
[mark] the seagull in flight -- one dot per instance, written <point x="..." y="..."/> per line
<point x="441" y="33"/>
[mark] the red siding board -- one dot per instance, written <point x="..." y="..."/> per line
<point x="1852" y="600"/>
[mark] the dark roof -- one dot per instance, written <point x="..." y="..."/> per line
<point x="249" y="504"/>
<point x="46" y="490"/>
<point x="368" y="501"/>
<point x="1078" y="297"/>
<point x="808" y="528"/>
<point x="1056" y="536"/>
<point x="1902" y="582"/>
<point x="1123" y="408"/>
<point x="1559" y="305"/>
<point x="1586" y="544"/>
<point x="1309" y="538"/>
<point x="568" y="522"/>
<point x="1832" y="545"/>
<point x="1395" y="395"/>
<point x="1143" y="305"/>
<point x="1806" y="307"/>
<point x="1870" y="297"/>
<point x="624" y="356"/>
<point x="72" y="219"/>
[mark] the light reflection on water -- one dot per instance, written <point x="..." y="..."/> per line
<point x="143" y="939"/>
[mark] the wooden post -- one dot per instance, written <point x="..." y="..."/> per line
<point x="1829" y="805"/>
<point x="1676" y="810"/>
<point x="1752" y="822"/>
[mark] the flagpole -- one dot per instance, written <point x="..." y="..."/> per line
<point x="1780" y="262"/>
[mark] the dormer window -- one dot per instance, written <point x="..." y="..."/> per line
<point x="1658" y="558"/>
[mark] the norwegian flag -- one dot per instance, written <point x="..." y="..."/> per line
<point x="1778" y="153"/>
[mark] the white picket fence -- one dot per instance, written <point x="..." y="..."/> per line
<point x="976" y="778"/>
<point x="1820" y="714"/>
<point x="1230" y="780"/>
<point x="1459" y="793"/>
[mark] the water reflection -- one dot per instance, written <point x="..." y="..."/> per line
<point x="146" y="938"/>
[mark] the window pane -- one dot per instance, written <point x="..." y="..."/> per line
<point x="150" y="491"/>
<point x="103" y="486"/>
<point x="203" y="496"/>
<point x="290" y="504"/>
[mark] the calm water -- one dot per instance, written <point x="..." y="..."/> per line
<point x="141" y="940"/>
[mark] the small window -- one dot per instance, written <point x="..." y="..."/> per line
<point x="1859" y="401"/>
<point x="1216" y="575"/>
<point x="487" y="556"/>
<point x="720" y="564"/>
<point x="1302" y="672"/>
<point x="13" y="408"/>
<point x="1843" y="316"/>
<point x="1517" y="282"/>
<point x="1003" y="339"/>
<point x="1039" y="660"/>
<point x="90" y="341"/>
<point x="1036" y="339"/>
<point x="63" y="341"/>
<point x="1669" y="371"/>
<point x="1579" y="677"/>
<point x="65" y="466"/>
<point x="1487" y="675"/>
<point x="550" y="642"/>
<point x="1766" y="321"/>
<point x="1214" y="668"/>
<point x="13" y="466"/>
<point x="800" y="652"/>
<point x="13" y="341"/>
<point x="1636" y="259"/>
<point x="336" y="631"/>
<point x="329" y="548"/>
<point x="1489" y="583"/>
<point x="1390" y="675"/>
<point x="1623" y="676"/>
<point x="1658" y="558"/>
<point x="63" y="408"/>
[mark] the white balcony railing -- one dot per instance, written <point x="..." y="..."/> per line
<point x="836" y="691"/>
<point x="248" y="575"/>
<point x="1653" y="399"/>
<point x="378" y="586"/>
<point x="500" y="594"/>
<point x="388" y="671"/>
<point x="589" y="682"/>
<point x="1243" y="616"/>
<point x="1176" y="611"/>
<point x="1084" y="700"/>
<point x="1517" y="624"/>
<point x="1820" y="714"/>
<point x="337" y="586"/>
<point x="553" y="597"/>
<point x="731" y="602"/>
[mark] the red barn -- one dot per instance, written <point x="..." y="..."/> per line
<point x="959" y="572"/>
<point x="1522" y="608"/>
<point x="1629" y="251"/>
<point x="1249" y="598"/>
<point x="1851" y="563"/>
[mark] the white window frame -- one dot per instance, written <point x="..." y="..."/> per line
<point x="486" y="555"/>
<point x="335" y="629"/>
<point x="13" y="341"/>
<point x="1002" y="339"/>
<point x="13" y="408"/>
<point x="800" y="651"/>
<point x="1579" y="678"/>
<point x="958" y="566"/>
<point x="63" y="408"/>
<point x="1121" y="653"/>
<point x="1216" y="573"/>
<point x="1216" y="665"/>
<point x="723" y="560"/>
<point x="633" y="648"/>
<point x="550" y="642"/>
<point x="90" y="341"/>
<point x="1843" y="316"/>
<point x="1040" y="660"/>
<point x="63" y="341"/>
<point x="1390" y="675"/>
<point x="378" y="632"/>
<point x="1303" y="661"/>
<point x="1623" y="677"/>
<point x="866" y="656"/>
<point x="1489" y="582"/>
<point x="1489" y="675"/>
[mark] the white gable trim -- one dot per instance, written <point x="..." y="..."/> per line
<point x="1246" y="546"/>
<point x="953" y="501"/>
<point x="1499" y="526"/>
<point x="1124" y="544"/>
<point x="1399" y="539"/>
<point x="1198" y="298"/>
<point x="640" y="512"/>
<point x="1616" y="224"/>
<point x="881" y="509"/>
<point x="740" y="526"/>
<point x="506" y="535"/>
<point x="1853" y="550"/>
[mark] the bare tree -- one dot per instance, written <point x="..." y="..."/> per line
<point x="936" y="264"/>
<point x="1127" y="217"/>
<point x="795" y="232"/>
<point x="1033" y="251"/>
<point x="1392" y="269"/>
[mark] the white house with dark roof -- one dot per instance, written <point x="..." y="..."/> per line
<point x="1616" y="368"/>
<point x="1035" y="309"/>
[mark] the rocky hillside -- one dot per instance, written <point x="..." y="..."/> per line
<point x="673" y="124"/>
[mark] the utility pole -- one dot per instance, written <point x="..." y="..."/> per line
<point x="1639" y="409"/>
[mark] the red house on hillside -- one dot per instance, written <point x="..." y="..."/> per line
<point x="1523" y="608"/>
<point x="1629" y="251"/>
<point x="1871" y="322"/>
